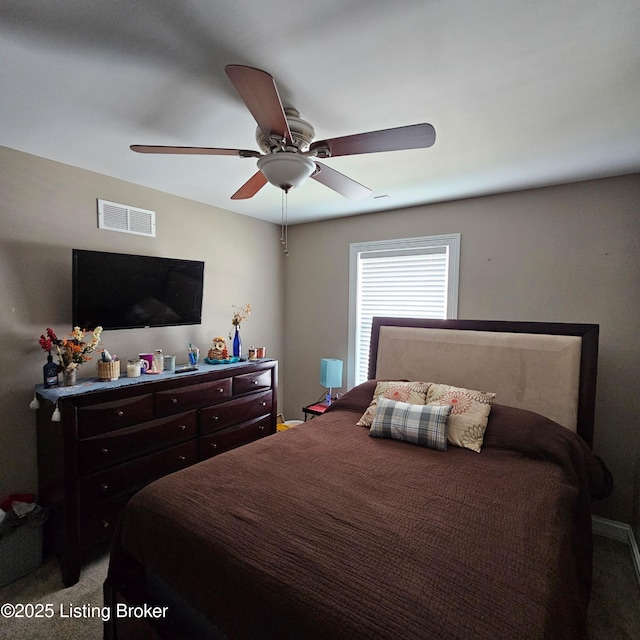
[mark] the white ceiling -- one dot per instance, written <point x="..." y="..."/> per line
<point x="520" y="93"/>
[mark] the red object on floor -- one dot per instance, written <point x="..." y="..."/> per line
<point x="7" y="503"/>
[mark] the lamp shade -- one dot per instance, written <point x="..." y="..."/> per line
<point x="331" y="373"/>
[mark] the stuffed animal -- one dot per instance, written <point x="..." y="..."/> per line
<point x="219" y="349"/>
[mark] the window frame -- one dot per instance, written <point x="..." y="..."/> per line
<point x="356" y="249"/>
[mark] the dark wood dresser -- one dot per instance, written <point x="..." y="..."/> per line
<point x="114" y="438"/>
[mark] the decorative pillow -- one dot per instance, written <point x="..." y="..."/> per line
<point x="469" y="413"/>
<point x="412" y="392"/>
<point x="424" y="424"/>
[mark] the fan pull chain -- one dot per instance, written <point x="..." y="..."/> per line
<point x="284" y="224"/>
<point x="282" y="217"/>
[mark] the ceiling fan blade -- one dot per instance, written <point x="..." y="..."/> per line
<point x="250" y="187"/>
<point x="203" y="151"/>
<point x="258" y="91"/>
<point x="414" y="136"/>
<point x="339" y="182"/>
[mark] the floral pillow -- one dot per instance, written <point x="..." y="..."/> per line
<point x="469" y="413"/>
<point x="411" y="392"/>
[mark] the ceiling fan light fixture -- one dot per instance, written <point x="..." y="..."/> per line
<point x="287" y="142"/>
<point x="286" y="169"/>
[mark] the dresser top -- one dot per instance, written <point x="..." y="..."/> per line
<point x="86" y="385"/>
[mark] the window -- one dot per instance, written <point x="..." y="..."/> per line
<point x="410" y="278"/>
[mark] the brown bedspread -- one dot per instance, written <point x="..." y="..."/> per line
<point x="323" y="532"/>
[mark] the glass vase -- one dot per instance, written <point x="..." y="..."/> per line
<point x="237" y="343"/>
<point x="69" y="377"/>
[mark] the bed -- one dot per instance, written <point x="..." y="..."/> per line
<point x="323" y="531"/>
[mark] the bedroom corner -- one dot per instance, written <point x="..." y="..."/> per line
<point x="47" y="209"/>
<point x="565" y="254"/>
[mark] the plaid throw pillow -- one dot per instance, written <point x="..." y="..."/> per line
<point x="420" y="424"/>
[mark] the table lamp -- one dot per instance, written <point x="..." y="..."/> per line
<point x="330" y="375"/>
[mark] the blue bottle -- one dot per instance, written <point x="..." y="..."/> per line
<point x="50" y="373"/>
<point x="237" y="343"/>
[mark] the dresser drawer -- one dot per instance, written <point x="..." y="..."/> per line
<point x="248" y="382"/>
<point x="235" y="411"/>
<point x="98" y="524"/>
<point x="118" y="446"/>
<point x="129" y="477"/>
<point x="232" y="437"/>
<point x="192" y="397"/>
<point x="107" y="416"/>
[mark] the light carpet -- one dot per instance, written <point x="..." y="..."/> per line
<point x="614" y="612"/>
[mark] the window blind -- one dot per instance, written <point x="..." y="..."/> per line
<point x="410" y="283"/>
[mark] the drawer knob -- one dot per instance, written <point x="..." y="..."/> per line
<point x="182" y="458"/>
<point x="182" y="427"/>
<point x="174" y="400"/>
<point x="254" y="382"/>
<point x="261" y="427"/>
<point x="214" y="445"/>
<point x="106" y="524"/>
<point x="215" y="418"/>
<point x="104" y="451"/>
<point x="120" y="413"/>
<point x="105" y="487"/>
<point x="220" y="389"/>
<point x="263" y="404"/>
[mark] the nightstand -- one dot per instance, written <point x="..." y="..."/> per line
<point x="316" y="409"/>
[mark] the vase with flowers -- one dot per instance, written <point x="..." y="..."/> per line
<point x="72" y="351"/>
<point x="239" y="314"/>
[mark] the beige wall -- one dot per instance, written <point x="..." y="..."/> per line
<point x="46" y="209"/>
<point x="565" y="254"/>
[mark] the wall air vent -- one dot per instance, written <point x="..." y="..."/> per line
<point x="122" y="217"/>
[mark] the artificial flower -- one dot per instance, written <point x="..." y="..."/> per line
<point x="240" y="314"/>
<point x="71" y="351"/>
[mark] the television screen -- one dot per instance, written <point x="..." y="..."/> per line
<point x="121" y="291"/>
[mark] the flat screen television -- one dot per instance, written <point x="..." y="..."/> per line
<point x="122" y="291"/>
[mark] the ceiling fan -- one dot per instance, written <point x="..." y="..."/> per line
<point x="289" y="153"/>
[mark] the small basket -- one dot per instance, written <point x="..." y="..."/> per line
<point x="108" y="370"/>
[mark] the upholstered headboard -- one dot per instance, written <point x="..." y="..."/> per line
<point x="549" y="368"/>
